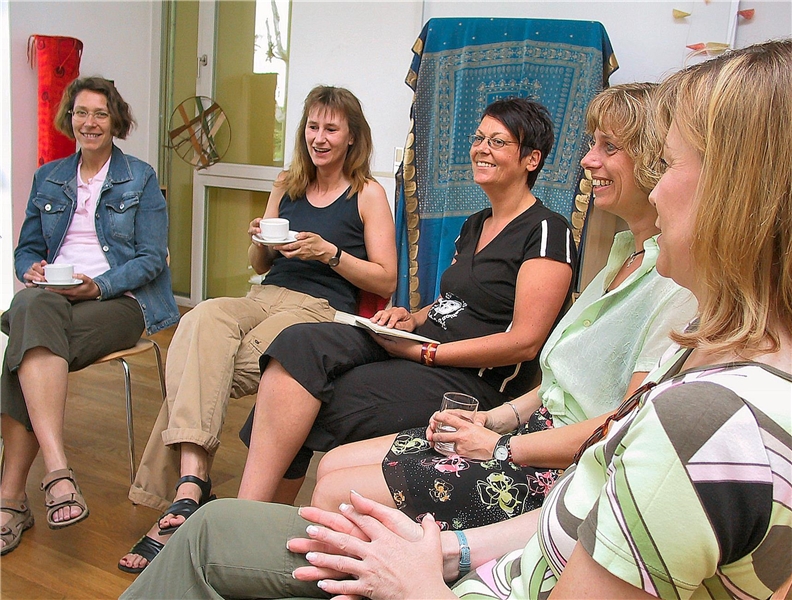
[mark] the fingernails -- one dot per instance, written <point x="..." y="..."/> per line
<point x="293" y="575"/>
<point x="354" y="492"/>
<point x="321" y="584"/>
<point x="343" y="507"/>
<point x="312" y="530"/>
<point x="310" y="557"/>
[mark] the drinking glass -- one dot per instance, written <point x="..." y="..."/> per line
<point x="466" y="407"/>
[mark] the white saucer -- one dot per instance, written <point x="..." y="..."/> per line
<point x="262" y="240"/>
<point x="62" y="285"/>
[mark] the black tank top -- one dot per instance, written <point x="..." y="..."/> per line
<point x="340" y="224"/>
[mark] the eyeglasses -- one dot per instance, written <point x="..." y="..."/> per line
<point x="100" y="116"/>
<point x="624" y="409"/>
<point x="494" y="143"/>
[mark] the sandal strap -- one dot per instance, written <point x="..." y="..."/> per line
<point x="14" y="506"/>
<point x="182" y="508"/>
<point x="73" y="499"/>
<point x="147" y="547"/>
<point x="54" y="476"/>
<point x="204" y="486"/>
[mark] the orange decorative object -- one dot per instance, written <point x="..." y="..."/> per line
<point x="747" y="13"/>
<point x="58" y="60"/>
<point x="699" y="46"/>
<point x="680" y="14"/>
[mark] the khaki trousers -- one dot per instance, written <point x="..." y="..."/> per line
<point x="214" y="355"/>
<point x="229" y="549"/>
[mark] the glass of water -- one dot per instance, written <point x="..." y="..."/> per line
<point x="465" y="407"/>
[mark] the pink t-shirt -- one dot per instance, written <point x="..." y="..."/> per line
<point x="81" y="246"/>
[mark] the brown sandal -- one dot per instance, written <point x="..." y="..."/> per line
<point x="68" y="500"/>
<point x="21" y="520"/>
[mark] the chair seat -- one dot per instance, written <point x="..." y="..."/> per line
<point x="142" y="345"/>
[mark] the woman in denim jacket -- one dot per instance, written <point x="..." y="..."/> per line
<point x="102" y="212"/>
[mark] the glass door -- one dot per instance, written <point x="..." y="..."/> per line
<point x="236" y="54"/>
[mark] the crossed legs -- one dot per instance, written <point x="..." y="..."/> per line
<point x="285" y="413"/>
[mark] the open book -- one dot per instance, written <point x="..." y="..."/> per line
<point x="363" y="322"/>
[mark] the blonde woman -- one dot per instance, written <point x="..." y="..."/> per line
<point x="345" y="243"/>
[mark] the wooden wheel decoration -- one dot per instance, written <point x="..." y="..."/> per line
<point x="199" y="132"/>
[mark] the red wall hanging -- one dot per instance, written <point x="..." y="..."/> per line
<point x="58" y="60"/>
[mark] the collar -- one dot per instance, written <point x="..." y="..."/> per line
<point x="66" y="171"/>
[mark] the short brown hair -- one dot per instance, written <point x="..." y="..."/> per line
<point x="736" y="111"/>
<point x="625" y="112"/>
<point x="120" y="113"/>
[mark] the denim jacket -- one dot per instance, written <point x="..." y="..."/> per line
<point x="131" y="224"/>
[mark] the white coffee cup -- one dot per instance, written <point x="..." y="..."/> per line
<point x="274" y="229"/>
<point x="59" y="273"/>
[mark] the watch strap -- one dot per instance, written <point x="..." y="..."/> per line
<point x="333" y="262"/>
<point x="464" y="553"/>
<point x="505" y="442"/>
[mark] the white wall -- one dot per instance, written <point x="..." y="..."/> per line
<point x="121" y="41"/>
<point x="365" y="47"/>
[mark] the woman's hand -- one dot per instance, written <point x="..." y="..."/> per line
<point x="399" y="347"/>
<point x="400" y="559"/>
<point x="471" y="440"/>
<point x="35" y="273"/>
<point x="255" y="229"/>
<point x="87" y="290"/>
<point x="397" y="317"/>
<point x="309" y="246"/>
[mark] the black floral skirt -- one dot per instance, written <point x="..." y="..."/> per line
<point x="464" y="492"/>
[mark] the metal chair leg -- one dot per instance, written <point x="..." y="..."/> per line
<point x="130" y="425"/>
<point x="160" y="370"/>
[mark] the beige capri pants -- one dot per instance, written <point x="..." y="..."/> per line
<point x="214" y="356"/>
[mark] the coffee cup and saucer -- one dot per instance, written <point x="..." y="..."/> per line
<point x="275" y="232"/>
<point x="59" y="276"/>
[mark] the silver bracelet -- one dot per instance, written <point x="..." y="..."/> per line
<point x="516" y="414"/>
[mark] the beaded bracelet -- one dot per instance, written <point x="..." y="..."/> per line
<point x="516" y="414"/>
<point x="464" y="554"/>
<point x="428" y="352"/>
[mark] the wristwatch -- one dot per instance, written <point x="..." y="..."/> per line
<point x="333" y="262"/>
<point x="502" y="449"/>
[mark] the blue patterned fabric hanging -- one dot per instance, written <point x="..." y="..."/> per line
<point x="461" y="65"/>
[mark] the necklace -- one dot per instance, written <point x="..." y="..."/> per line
<point x="633" y="256"/>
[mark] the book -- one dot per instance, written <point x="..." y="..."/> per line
<point x="364" y="323"/>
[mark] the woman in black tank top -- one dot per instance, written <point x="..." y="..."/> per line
<point x="343" y="243"/>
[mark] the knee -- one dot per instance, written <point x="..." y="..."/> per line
<point x="330" y="491"/>
<point x="331" y="461"/>
<point x="206" y="311"/>
<point x="33" y="301"/>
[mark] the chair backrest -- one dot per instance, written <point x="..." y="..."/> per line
<point x="369" y="303"/>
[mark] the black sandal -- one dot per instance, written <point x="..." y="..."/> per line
<point x="187" y="506"/>
<point x="146" y="547"/>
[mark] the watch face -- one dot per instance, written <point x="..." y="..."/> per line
<point x="501" y="453"/>
<point x="333" y="262"/>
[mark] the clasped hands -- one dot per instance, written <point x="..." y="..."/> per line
<point x="87" y="290"/>
<point x="471" y="440"/>
<point x="373" y="551"/>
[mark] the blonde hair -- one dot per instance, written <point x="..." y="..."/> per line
<point x="357" y="165"/>
<point x="736" y="111"/>
<point x="625" y="112"/>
